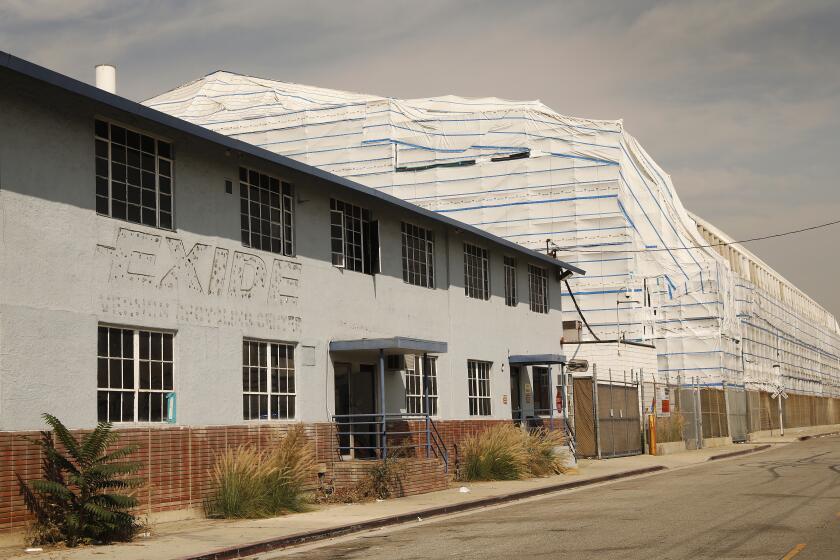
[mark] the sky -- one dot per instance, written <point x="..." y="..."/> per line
<point x="738" y="101"/>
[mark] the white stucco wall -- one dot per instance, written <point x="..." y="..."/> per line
<point x="64" y="270"/>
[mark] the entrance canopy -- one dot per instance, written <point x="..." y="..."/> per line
<point x="536" y="359"/>
<point x="394" y="345"/>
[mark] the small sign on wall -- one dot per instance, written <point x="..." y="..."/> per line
<point x="504" y="399"/>
<point x="529" y="393"/>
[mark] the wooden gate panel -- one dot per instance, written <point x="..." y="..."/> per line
<point x="584" y="421"/>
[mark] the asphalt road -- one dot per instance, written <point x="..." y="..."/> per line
<point x="782" y="503"/>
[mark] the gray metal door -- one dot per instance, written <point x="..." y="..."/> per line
<point x="736" y="404"/>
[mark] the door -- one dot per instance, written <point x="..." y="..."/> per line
<point x="515" y="396"/>
<point x="355" y="406"/>
<point x="584" y="420"/>
<point x="362" y="411"/>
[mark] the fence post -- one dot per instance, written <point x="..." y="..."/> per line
<point x="596" y="410"/>
<point x="382" y="403"/>
<point x="698" y="413"/>
<point x="726" y="406"/>
<point x="643" y="409"/>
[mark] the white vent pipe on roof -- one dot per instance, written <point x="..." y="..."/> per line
<point x="106" y="77"/>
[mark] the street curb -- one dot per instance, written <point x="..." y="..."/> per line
<point x="321" y="534"/>
<point x="805" y="438"/>
<point x="741" y="452"/>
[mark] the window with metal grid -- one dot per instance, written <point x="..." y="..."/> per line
<point x="268" y="380"/>
<point x="134" y="373"/>
<point x="476" y="272"/>
<point x="418" y="255"/>
<point x="354" y="238"/>
<point x="266" y="212"/>
<point x="134" y="172"/>
<point x="478" y="382"/>
<point x="542" y="400"/>
<point x="538" y="286"/>
<point x="415" y="402"/>
<point x="510" y="281"/>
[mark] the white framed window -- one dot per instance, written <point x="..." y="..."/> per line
<point x="268" y="380"/>
<point x="538" y="287"/>
<point x="478" y="382"/>
<point x="418" y="255"/>
<point x="510" y="281"/>
<point x="476" y="272"/>
<point x="135" y="370"/>
<point x="354" y="238"/>
<point x="134" y="175"/>
<point x="266" y="209"/>
<point x="415" y="402"/>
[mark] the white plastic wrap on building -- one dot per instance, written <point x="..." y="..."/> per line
<point x="526" y="173"/>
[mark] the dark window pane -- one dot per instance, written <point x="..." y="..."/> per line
<point x="148" y="217"/>
<point x="132" y="176"/>
<point x="164" y="167"/>
<point x="255" y="379"/>
<point x="245" y="379"/>
<point x="167" y="376"/>
<point x="127" y="407"/>
<point x="118" y="191"/>
<point x="115" y="373"/>
<point x="133" y="159"/>
<point x="102" y="372"/>
<point x="143" y="407"/>
<point x="148" y="198"/>
<point x="127" y="343"/>
<point x="167" y="347"/>
<point x="165" y="203"/>
<point x="157" y="346"/>
<point x="165" y="220"/>
<point x="148" y="144"/>
<point x="101" y="205"/>
<point x="118" y="209"/>
<point x="165" y="149"/>
<point x="263" y="407"/>
<point x="114" y="339"/>
<point x="144" y="345"/>
<point x="102" y="167"/>
<point x="148" y="162"/>
<point x="243" y="174"/>
<point x="157" y="407"/>
<point x="102" y="148"/>
<point x="157" y="375"/>
<point x="128" y="374"/>
<point x="100" y="128"/>
<point x="165" y="185"/>
<point x="101" y="406"/>
<point x="114" y="406"/>
<point x="102" y="341"/>
<point x="133" y="213"/>
<point x="291" y="407"/>
<point x="145" y="382"/>
<point x="118" y="154"/>
<point x="132" y="139"/>
<point x="133" y="195"/>
<point x="118" y="134"/>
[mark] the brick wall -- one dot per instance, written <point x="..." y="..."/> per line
<point x="414" y="475"/>
<point x="176" y="461"/>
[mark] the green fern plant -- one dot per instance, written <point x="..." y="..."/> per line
<point x="84" y="494"/>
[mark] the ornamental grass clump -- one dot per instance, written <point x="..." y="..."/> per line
<point x="497" y="453"/>
<point x="506" y="452"/>
<point x="85" y="495"/>
<point x="248" y="483"/>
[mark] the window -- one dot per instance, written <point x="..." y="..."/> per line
<point x="134" y="373"/>
<point x="418" y="255"/>
<point x="476" y="273"/>
<point x="266" y="212"/>
<point x="478" y="380"/>
<point x="354" y="238"/>
<point x="510" y="281"/>
<point x="542" y="401"/>
<point x="133" y="176"/>
<point x="268" y="380"/>
<point x="414" y="400"/>
<point x="538" y="285"/>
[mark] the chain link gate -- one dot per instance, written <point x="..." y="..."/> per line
<point x="736" y="405"/>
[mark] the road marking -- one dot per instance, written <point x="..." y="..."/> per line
<point x="794" y="551"/>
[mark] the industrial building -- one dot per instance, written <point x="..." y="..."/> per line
<point x="582" y="189"/>
<point x="199" y="291"/>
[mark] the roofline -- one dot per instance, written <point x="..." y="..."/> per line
<point x="77" y="87"/>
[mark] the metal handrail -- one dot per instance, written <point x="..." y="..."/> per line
<point x="376" y="424"/>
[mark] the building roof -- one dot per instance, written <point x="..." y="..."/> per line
<point x="51" y="78"/>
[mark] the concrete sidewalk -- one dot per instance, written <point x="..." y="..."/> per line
<point x="226" y="539"/>
<point x="793" y="434"/>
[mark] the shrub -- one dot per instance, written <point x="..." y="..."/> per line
<point x="505" y="452"/>
<point x="78" y="500"/>
<point x="497" y="453"/>
<point x="247" y="483"/>
<point x="543" y="459"/>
